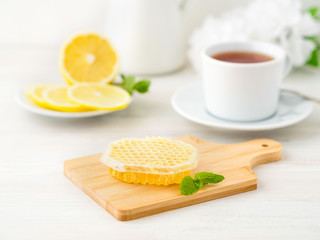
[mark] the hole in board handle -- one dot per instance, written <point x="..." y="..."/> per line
<point x="265" y="145"/>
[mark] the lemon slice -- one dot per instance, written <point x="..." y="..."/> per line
<point x="56" y="98"/>
<point x="34" y="92"/>
<point x="88" y="58"/>
<point x="96" y="96"/>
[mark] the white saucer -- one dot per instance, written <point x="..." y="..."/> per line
<point x="24" y="102"/>
<point x="189" y="103"/>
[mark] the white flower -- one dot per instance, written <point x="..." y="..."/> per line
<point x="278" y="21"/>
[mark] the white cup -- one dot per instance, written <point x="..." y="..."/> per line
<point x="243" y="91"/>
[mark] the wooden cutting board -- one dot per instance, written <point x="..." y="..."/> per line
<point x="130" y="201"/>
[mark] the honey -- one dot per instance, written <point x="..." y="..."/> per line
<point x="153" y="160"/>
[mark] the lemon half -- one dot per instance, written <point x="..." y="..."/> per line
<point x="88" y="58"/>
<point x="96" y="96"/>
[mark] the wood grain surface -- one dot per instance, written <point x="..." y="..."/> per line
<point x="130" y="201"/>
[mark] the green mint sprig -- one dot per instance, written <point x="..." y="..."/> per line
<point x="314" y="12"/>
<point x="314" y="56"/>
<point x="189" y="186"/>
<point x="130" y="84"/>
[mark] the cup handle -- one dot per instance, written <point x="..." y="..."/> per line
<point x="287" y="66"/>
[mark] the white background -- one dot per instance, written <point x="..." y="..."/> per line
<point x="38" y="28"/>
<point x="44" y="22"/>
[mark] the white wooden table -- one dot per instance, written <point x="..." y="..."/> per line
<point x="38" y="202"/>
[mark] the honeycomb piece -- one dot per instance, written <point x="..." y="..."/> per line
<point x="153" y="160"/>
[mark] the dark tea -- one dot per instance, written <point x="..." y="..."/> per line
<point x="242" y="57"/>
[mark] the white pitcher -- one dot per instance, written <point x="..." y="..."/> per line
<point x="148" y="34"/>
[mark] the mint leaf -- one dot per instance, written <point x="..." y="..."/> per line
<point x="208" y="177"/>
<point x="128" y="83"/>
<point x="187" y="186"/>
<point x="198" y="183"/>
<point x="314" y="57"/>
<point x="142" y="86"/>
<point x="314" y="12"/>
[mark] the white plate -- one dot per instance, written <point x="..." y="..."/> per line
<point x="189" y="103"/>
<point x="26" y="103"/>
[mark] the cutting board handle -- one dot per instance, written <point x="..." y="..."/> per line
<point x="251" y="153"/>
<point x="267" y="151"/>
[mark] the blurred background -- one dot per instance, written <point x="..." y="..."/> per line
<point x="37" y="28"/>
<point x="43" y="23"/>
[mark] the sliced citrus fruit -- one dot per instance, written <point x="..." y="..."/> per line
<point x="88" y="58"/>
<point x="34" y="92"/>
<point x="56" y="98"/>
<point x="96" y="96"/>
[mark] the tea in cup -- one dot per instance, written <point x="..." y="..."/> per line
<point x="242" y="80"/>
